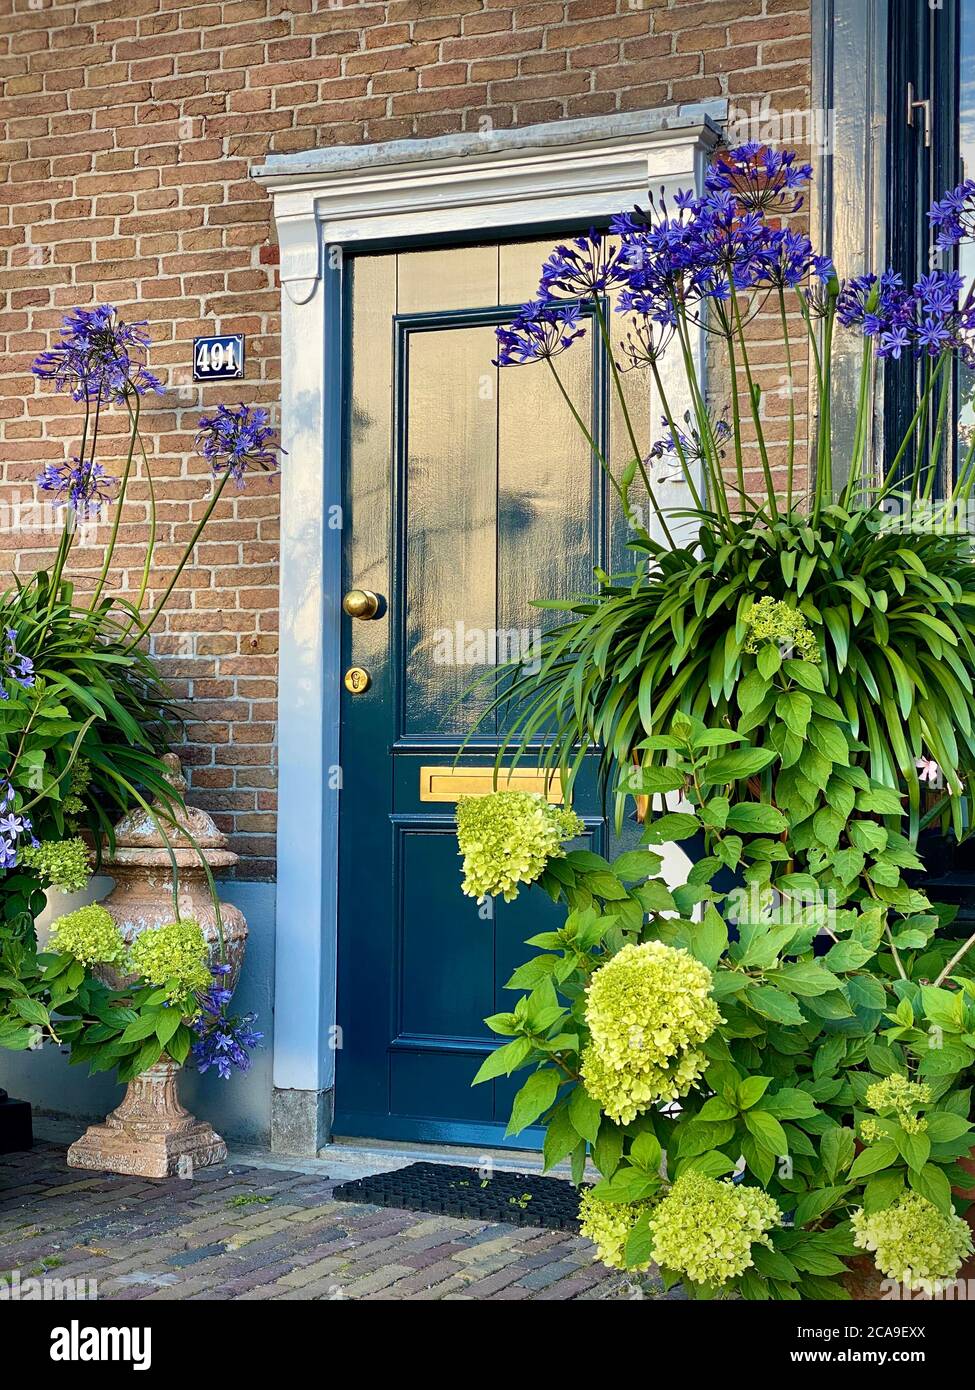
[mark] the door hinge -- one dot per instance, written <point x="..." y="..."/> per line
<point x="919" y="104"/>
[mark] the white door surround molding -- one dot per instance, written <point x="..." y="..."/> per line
<point x="327" y="202"/>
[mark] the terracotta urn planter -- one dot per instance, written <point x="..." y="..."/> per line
<point x="150" y="1134"/>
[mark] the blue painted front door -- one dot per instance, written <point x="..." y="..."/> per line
<point x="469" y="493"/>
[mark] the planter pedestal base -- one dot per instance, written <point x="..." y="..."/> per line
<point x="150" y="1135"/>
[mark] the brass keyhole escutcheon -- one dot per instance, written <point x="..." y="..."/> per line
<point x="357" y="680"/>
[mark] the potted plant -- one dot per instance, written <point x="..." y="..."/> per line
<point x="877" y="572"/>
<point x="769" y="1072"/>
<point x="85" y="718"/>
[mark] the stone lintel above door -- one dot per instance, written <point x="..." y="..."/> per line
<point x="477" y="181"/>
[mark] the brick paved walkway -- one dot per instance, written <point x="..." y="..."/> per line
<point x="244" y="1231"/>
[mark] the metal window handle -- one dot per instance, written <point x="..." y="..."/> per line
<point x="919" y="104"/>
<point x="361" y="603"/>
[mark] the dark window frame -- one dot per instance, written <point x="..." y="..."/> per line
<point x="923" y="159"/>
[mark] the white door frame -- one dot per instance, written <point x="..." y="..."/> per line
<point x="325" y="202"/>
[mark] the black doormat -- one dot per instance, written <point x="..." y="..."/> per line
<point x="446" y="1190"/>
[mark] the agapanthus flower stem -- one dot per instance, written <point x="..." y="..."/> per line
<point x="627" y="419"/>
<point x="736" y="416"/>
<point x="712" y="462"/>
<point x="922" y="429"/>
<point x="119" y="501"/>
<point x="150" y="548"/>
<point x="939" y="432"/>
<point x="590" y="440"/>
<point x="813" y="340"/>
<point x="824" y="451"/>
<point x="919" y="414"/>
<point x="70" y="516"/>
<point x="676" y="437"/>
<point x="860" y="430"/>
<point x="147" y="625"/>
<point x="966" y="475"/>
<point x="753" y="402"/>
<point x="791" y="457"/>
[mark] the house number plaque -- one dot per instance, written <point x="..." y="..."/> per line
<point x="218" y="358"/>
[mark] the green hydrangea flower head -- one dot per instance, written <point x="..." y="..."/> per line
<point x="63" y="863"/>
<point x="913" y="1242"/>
<point x="648" y="1009"/>
<point x="608" y="1225"/>
<point x="73" y="804"/>
<point x="771" y="620"/>
<point x="507" y="838"/>
<point x="90" y="935"/>
<point x="175" y="955"/>
<point x="895" y="1096"/>
<point x="705" y="1228"/>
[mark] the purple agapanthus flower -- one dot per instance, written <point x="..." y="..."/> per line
<point x="689" y="439"/>
<point x="541" y="330"/>
<point x="927" y="319"/>
<point x="81" y="484"/>
<point x="759" y="178"/>
<point x="236" y="439"/>
<point x="704" y="249"/>
<point x="99" y="357"/>
<point x="893" y="343"/>
<point x="13" y="667"/>
<point x="13" y="827"/>
<point x="646" y="339"/>
<point x="588" y="265"/>
<point x="872" y="304"/>
<point x="671" y="257"/>
<point x="933" y="316"/>
<point x="786" y="259"/>
<point x="938" y="291"/>
<point x="953" y="216"/>
<point x="224" y="1041"/>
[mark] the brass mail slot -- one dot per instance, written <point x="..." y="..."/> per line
<point x="451" y="783"/>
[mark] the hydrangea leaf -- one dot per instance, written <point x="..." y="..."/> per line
<point x="535" y="1097"/>
<point x="560" y="1137"/>
<point x="874" y="1158"/>
<point x="584" y="1113"/>
<point x="931" y="1182"/>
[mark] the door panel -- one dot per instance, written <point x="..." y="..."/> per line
<point x="549" y="512"/>
<point x="462" y="277"/>
<point x="468" y="493"/>
<point x="449" y="515"/>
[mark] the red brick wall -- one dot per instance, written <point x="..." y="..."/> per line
<point x="129" y="127"/>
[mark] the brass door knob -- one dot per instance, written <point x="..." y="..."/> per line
<point x="361" y="603"/>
